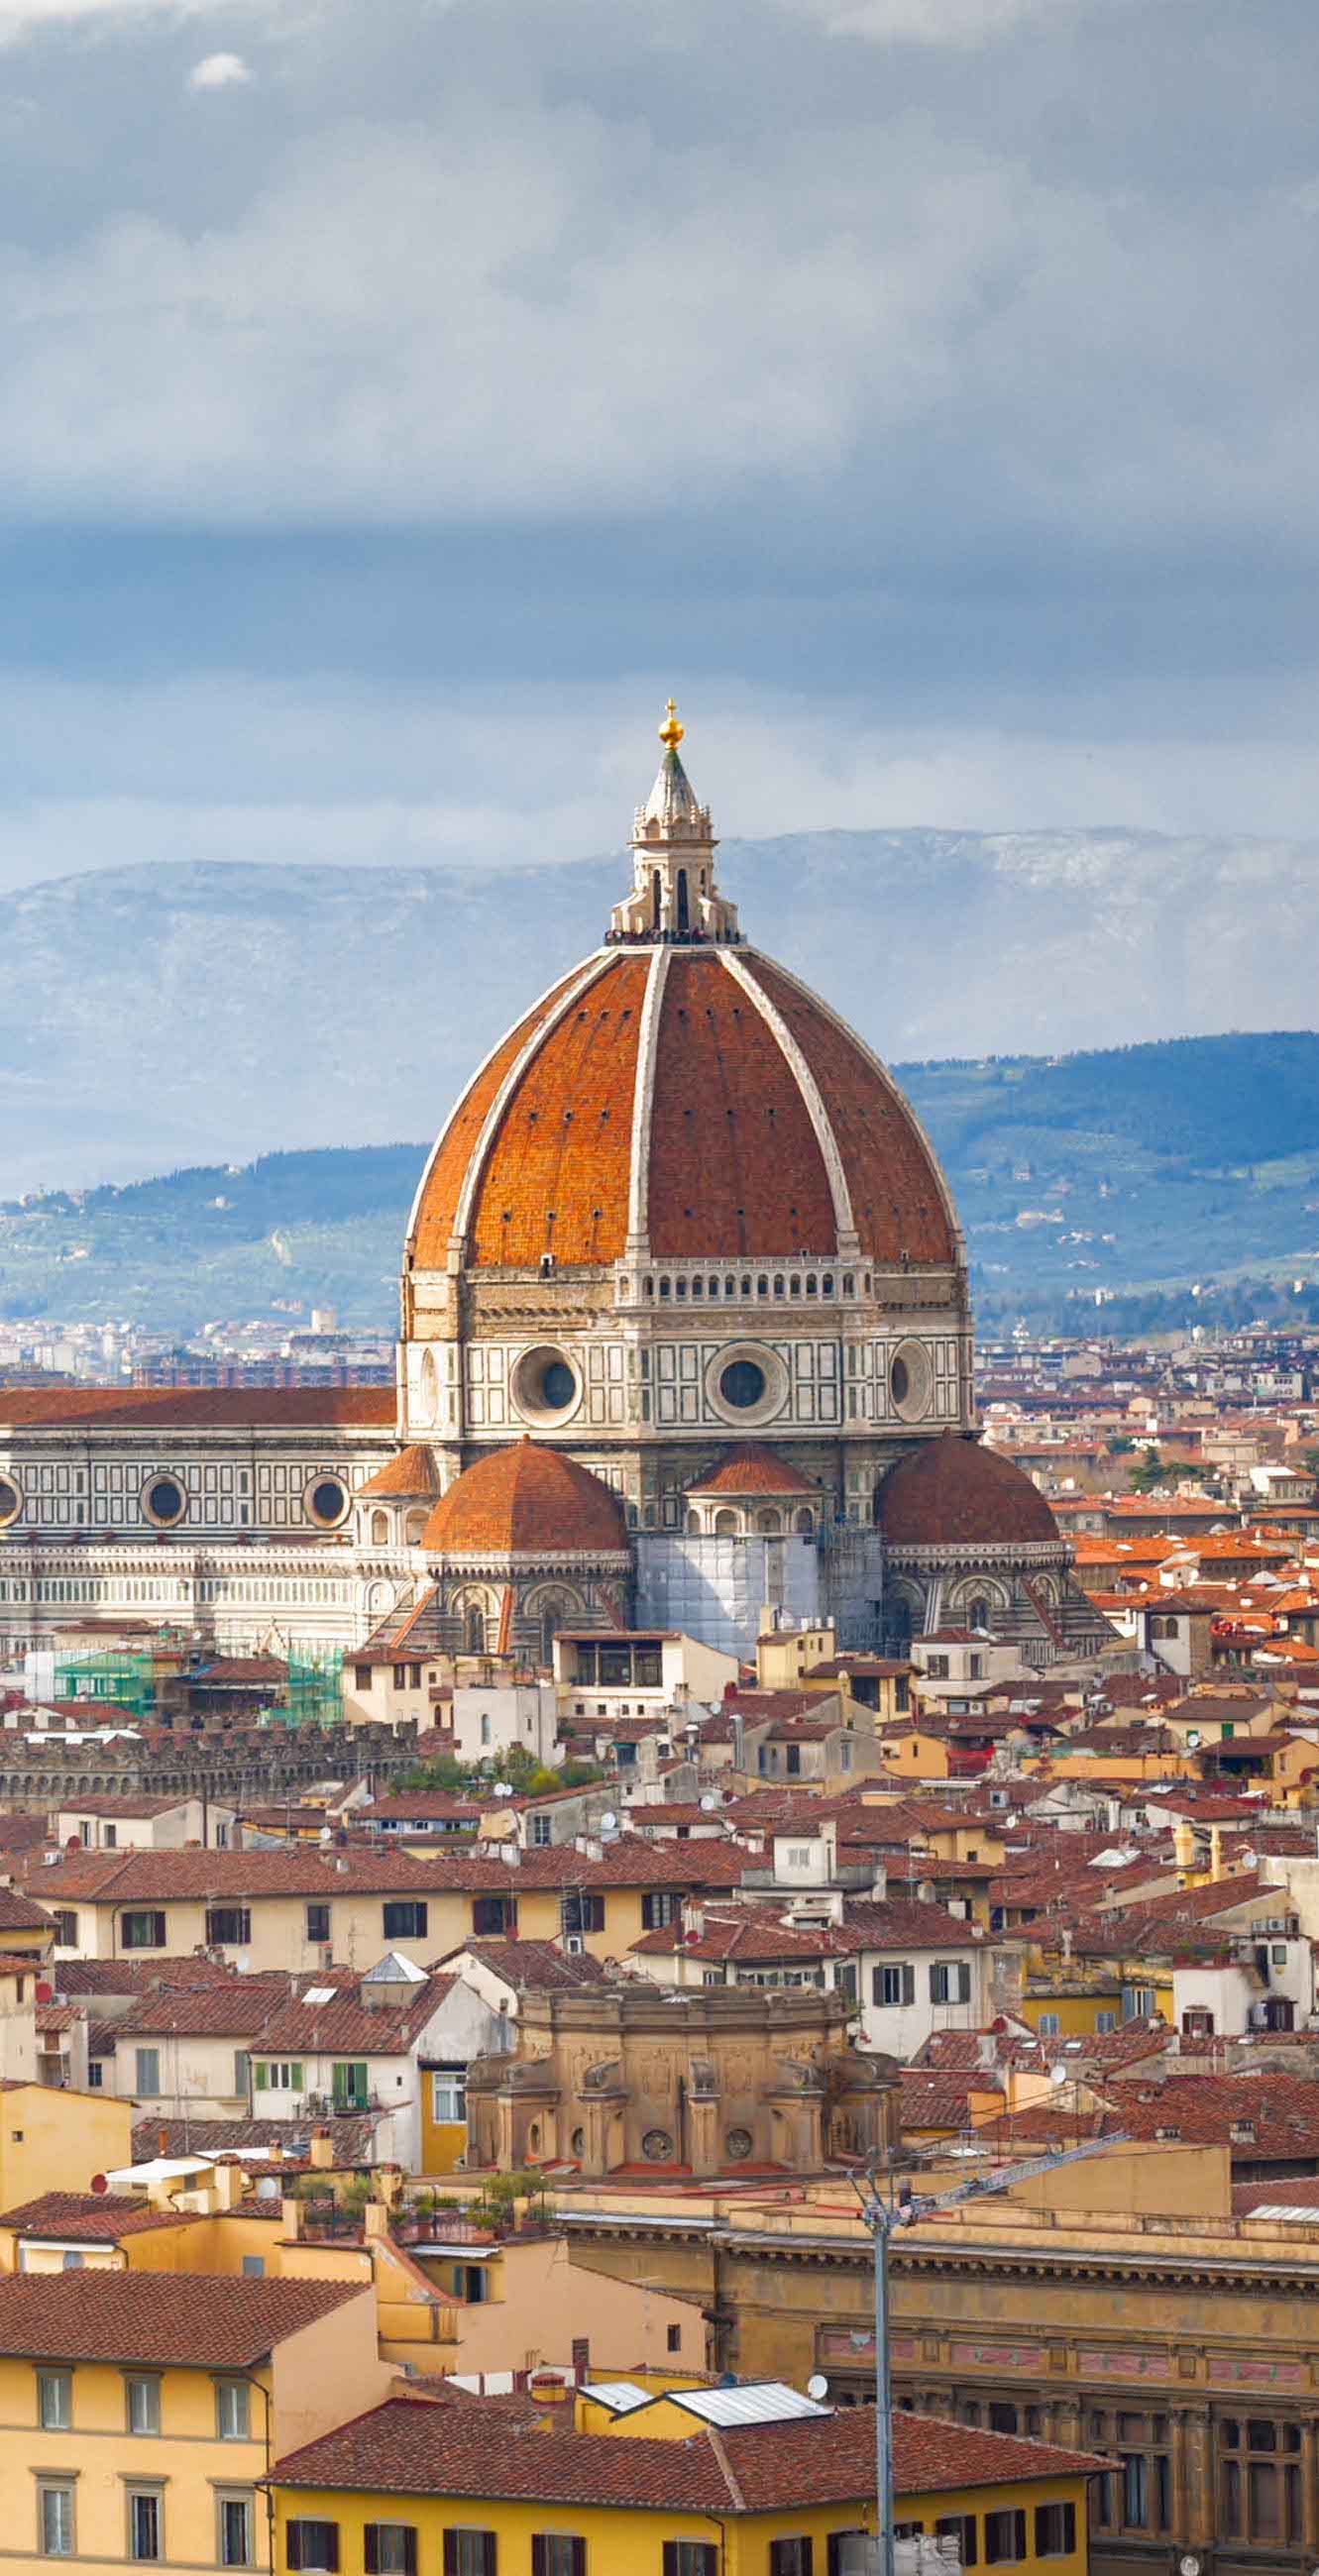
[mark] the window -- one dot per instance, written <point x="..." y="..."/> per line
<point x="72" y="2262"/>
<point x="542" y="1830"/>
<point x="1055" y="2530"/>
<point x="350" y="2084"/>
<point x="55" y="2516"/>
<point x="146" y="2077"/>
<point x="242" y="2072"/>
<point x="228" y="1926"/>
<point x="362" y="1677"/>
<point x="448" y="2097"/>
<point x="494" y="1914"/>
<point x="790" y="2557"/>
<point x="893" y="1983"/>
<point x="232" y="2412"/>
<point x="964" y="2529"/>
<point x="235" y="2533"/>
<point x="55" y="2400"/>
<point x="1003" y="2416"/>
<point x="1259" y="2480"/>
<point x="851" y="2553"/>
<point x="659" y="1908"/>
<point x="278" y="2075"/>
<point x="310" y="2545"/>
<point x="318" y="1922"/>
<point x="1005" y="2537"/>
<point x="146" y="2523"/>
<point x="673" y="2338"/>
<point x="1137" y="2003"/>
<point x="1104" y="2022"/>
<point x="96" y="2075"/>
<point x="254" y="2267"/>
<point x="1048" y="2025"/>
<point x="142" y="2393"/>
<point x="66" y="1929"/>
<point x="556" y="2553"/>
<point x="950" y="1981"/>
<point x="389" y="2549"/>
<point x="690" y="2558"/>
<point x="405" y="1921"/>
<point x="142" y="1930"/>
<point x="937" y="1667"/>
<point x="580" y="1911"/>
<point x="470" y="2553"/>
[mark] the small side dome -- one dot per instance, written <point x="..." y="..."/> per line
<point x="412" y="1477"/>
<point x="527" y="1501"/>
<point x="954" y="1492"/>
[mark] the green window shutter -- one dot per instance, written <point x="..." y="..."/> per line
<point x="297" y="2074"/>
<point x="260" y="2078"/>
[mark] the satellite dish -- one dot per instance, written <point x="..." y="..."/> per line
<point x="1190" y="2565"/>
<point x="326" y="1834"/>
<point x="609" y="1822"/>
<point x="1193" y="1746"/>
<point x="1058" y="2073"/>
<point x="503" y="1789"/>
<point x="817" y="2386"/>
<point x="709" y="1803"/>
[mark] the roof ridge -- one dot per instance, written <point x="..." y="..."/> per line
<point x="715" y="2439"/>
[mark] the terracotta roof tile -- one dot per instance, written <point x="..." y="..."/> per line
<point x="526" y="1500"/>
<point x="411" y="2447"/>
<point x="955" y="1488"/>
<point x="206" y="2322"/>
<point x="752" y="1469"/>
<point x="338" y="1408"/>
<point x="89" y="2217"/>
<point x="413" y="1474"/>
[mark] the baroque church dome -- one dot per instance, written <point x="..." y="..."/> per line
<point x="680" y="1090"/>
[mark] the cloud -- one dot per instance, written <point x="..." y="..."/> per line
<point x="19" y="18"/>
<point x="219" y="71"/>
<point x="950" y="23"/>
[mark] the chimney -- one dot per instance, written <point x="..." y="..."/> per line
<point x="1215" y="1852"/>
<point x="321" y="2154"/>
<point x="290" y="2212"/>
<point x="693" y="1918"/>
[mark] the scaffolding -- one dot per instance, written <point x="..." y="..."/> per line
<point x="119" y="1676"/>
<point x="314" y="1692"/>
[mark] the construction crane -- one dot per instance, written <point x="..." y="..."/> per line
<point x="884" y="2217"/>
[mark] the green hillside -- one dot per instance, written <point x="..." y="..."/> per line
<point x="1142" y="1173"/>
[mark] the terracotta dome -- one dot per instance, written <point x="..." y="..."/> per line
<point x="954" y="1492"/>
<point x="527" y="1501"/>
<point x="753" y="1469"/>
<point x="411" y="1477"/>
<point x="694" y="1096"/>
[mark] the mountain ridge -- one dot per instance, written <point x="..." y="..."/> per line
<point x="182" y="1012"/>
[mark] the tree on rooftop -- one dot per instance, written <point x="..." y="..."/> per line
<point x="1147" y="1471"/>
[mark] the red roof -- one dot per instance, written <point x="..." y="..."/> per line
<point x="555" y="1174"/>
<point x="207" y="2321"/>
<point x="312" y="1408"/>
<point x="89" y="2217"/>
<point x="409" y="2447"/>
<point x="412" y="1475"/>
<point x="752" y="1469"/>
<point x="527" y="1501"/>
<point x="954" y="1489"/>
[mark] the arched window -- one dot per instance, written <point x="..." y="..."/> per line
<point x="684" y="921"/>
<point x="474" y="1630"/>
<point x="726" y="1524"/>
<point x="979" y="1613"/>
<point x="804" y="1523"/>
<point x="416" y="1529"/>
<point x="379" y="1529"/>
<point x="656" y="899"/>
<point x="769" y="1522"/>
<point x="693" y="1524"/>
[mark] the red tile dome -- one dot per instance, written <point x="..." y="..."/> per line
<point x="954" y="1491"/>
<point x="527" y="1501"/>
<point x="694" y="1096"/>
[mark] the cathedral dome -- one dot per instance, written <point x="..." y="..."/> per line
<point x="680" y="1097"/>
<point x="699" y="1099"/>
<point x="526" y="1501"/>
<point x="954" y="1492"/>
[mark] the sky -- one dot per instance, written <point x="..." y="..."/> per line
<point x="401" y="397"/>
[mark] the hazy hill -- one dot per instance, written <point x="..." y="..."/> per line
<point x="1144" y="1170"/>
<point x="189" y="1014"/>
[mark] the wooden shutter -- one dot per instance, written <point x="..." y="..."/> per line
<point x="539" y="2554"/>
<point x="835" y="2547"/>
<point x="670" y="2558"/>
<point x="332" y="2547"/>
<point x="297" y="2087"/>
<point x="293" y="2545"/>
<point x="579" y="2558"/>
<point x="909" y="1985"/>
<point x="371" y="2548"/>
<point x="409" y="2550"/>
